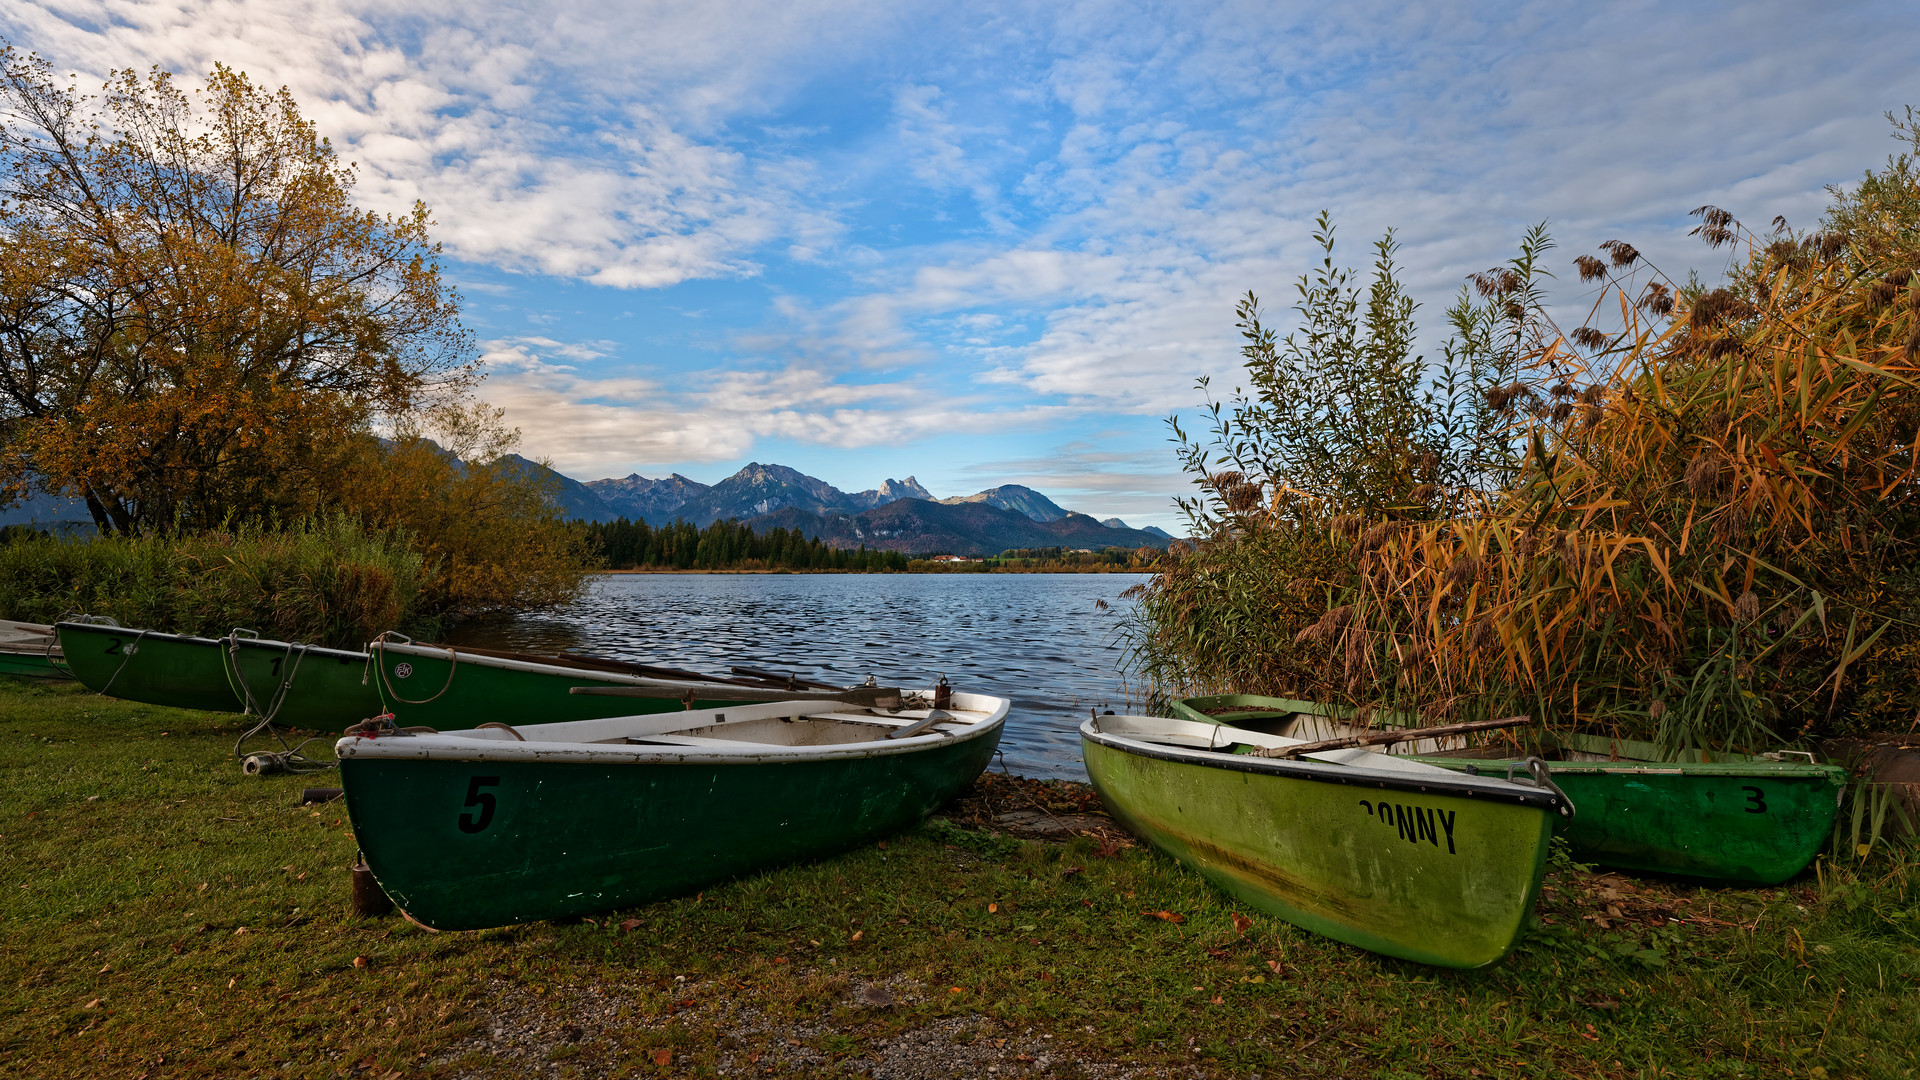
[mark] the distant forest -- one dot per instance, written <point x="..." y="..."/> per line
<point x="725" y="545"/>
<point x="731" y="545"/>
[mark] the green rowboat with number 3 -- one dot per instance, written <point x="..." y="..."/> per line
<point x="1728" y="817"/>
<point x="509" y="824"/>
<point x="1391" y="855"/>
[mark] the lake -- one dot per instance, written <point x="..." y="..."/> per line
<point x="1037" y="639"/>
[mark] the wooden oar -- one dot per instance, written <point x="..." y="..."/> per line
<point x="1388" y="736"/>
<point x="599" y="663"/>
<point x="860" y="697"/>
<point x="776" y="677"/>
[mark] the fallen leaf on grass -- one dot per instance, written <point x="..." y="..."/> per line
<point x="1107" y="849"/>
<point x="1277" y="966"/>
<point x="94" y="1004"/>
<point x="1241" y="924"/>
<point x="233" y="982"/>
<point x="630" y="925"/>
<point x="956" y="990"/>
<point x="359" y="961"/>
<point x="1072" y="870"/>
<point x="1217" y="999"/>
<point x="992" y="908"/>
<point x="857" y="935"/>
<point x="1167" y="916"/>
<point x="663" y="1057"/>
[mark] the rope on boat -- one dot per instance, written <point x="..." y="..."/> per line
<point x="377" y="654"/>
<point x="288" y="758"/>
<point x="126" y="654"/>
<point x="1542" y="776"/>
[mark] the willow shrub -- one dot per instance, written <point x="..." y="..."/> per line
<point x="1713" y="538"/>
<point x="328" y="581"/>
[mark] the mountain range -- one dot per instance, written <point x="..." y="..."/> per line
<point x="899" y="515"/>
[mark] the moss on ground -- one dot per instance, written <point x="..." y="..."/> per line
<point x="164" y="916"/>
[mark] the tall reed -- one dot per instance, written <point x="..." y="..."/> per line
<point x="327" y="581"/>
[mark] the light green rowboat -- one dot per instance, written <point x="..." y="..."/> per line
<point x="1394" y="856"/>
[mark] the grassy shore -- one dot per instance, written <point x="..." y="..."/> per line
<point x="164" y="916"/>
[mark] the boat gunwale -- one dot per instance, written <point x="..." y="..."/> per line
<point x="136" y="632"/>
<point x="1328" y="772"/>
<point x="1730" y="765"/>
<point x="306" y="649"/>
<point x="583" y="674"/>
<point x="453" y="747"/>
<point x="195" y="639"/>
<point x="1755" y="769"/>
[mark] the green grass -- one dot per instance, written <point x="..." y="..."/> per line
<point x="135" y="851"/>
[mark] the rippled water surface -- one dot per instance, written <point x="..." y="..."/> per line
<point x="1035" y="638"/>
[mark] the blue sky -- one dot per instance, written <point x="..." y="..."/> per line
<point x="997" y="243"/>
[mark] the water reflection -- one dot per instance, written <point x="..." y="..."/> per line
<point x="1034" y="638"/>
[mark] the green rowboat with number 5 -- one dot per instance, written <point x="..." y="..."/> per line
<point x="1727" y="817"/>
<point x="1391" y="855"/>
<point x="509" y="824"/>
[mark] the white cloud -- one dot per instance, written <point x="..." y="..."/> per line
<point x="591" y="425"/>
<point x="552" y="138"/>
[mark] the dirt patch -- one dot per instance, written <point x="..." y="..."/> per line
<point x="604" y="1031"/>
<point x="1036" y="810"/>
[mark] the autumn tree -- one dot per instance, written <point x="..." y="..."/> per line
<point x="197" y="324"/>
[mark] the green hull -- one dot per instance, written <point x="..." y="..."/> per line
<point x="302" y="686"/>
<point x="324" y="687"/>
<point x="1744" y="821"/>
<point x="143" y="665"/>
<point x="1756" y="823"/>
<point x="564" y="839"/>
<point x="441" y="693"/>
<point x="311" y="687"/>
<point x="1337" y="853"/>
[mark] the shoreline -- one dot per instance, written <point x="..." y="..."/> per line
<point x="879" y="573"/>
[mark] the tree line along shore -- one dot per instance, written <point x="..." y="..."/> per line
<point x="729" y="545"/>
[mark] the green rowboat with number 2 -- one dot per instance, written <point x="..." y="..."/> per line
<point x="1737" y="819"/>
<point x="308" y="686"/>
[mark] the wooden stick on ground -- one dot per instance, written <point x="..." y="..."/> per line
<point x="1389" y="736"/>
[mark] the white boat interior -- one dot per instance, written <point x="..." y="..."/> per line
<point x="1220" y="738"/>
<point x="35" y="639"/>
<point x="1316" y="727"/>
<point x="780" y="729"/>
